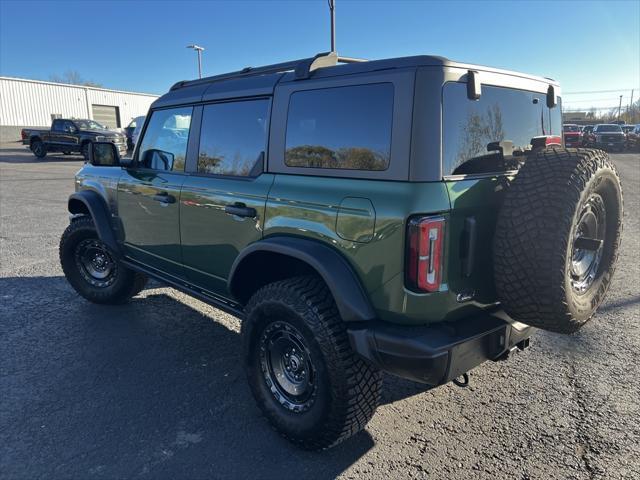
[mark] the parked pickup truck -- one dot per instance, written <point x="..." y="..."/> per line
<point x="69" y="136"/>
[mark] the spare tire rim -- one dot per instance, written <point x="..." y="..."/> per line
<point x="95" y="263"/>
<point x="588" y="243"/>
<point x="287" y="368"/>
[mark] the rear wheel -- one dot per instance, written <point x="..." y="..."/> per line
<point x="304" y="375"/>
<point x="557" y="238"/>
<point x="92" y="270"/>
<point x="39" y="149"/>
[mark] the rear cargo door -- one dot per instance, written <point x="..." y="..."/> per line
<point x="483" y="143"/>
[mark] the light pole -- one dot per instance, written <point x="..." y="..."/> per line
<point x="619" y="107"/>
<point x="332" y="13"/>
<point x="199" y="50"/>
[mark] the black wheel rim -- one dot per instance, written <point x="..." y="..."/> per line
<point x="37" y="149"/>
<point x="287" y="366"/>
<point x="95" y="263"/>
<point x="588" y="243"/>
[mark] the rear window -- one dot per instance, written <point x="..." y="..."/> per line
<point x="490" y="134"/>
<point x="340" y="128"/>
<point x="608" y="128"/>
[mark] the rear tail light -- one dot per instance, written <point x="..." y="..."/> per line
<point x="425" y="253"/>
<point x="23" y="134"/>
<point x="553" y="140"/>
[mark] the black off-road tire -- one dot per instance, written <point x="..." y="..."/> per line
<point x="346" y="389"/>
<point x="549" y="205"/>
<point x="124" y="284"/>
<point x="39" y="149"/>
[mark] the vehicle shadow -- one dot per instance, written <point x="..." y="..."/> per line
<point x="151" y="387"/>
<point x="20" y="154"/>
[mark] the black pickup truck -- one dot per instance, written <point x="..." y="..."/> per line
<point x="71" y="136"/>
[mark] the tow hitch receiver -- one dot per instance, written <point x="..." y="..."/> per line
<point x="521" y="345"/>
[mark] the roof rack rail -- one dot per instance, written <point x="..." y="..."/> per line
<point x="302" y="67"/>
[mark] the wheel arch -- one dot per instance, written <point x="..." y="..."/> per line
<point x="91" y="203"/>
<point x="276" y="258"/>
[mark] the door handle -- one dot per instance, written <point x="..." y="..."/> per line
<point x="164" y="197"/>
<point x="240" y="210"/>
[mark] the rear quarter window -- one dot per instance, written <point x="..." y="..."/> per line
<point x="489" y="134"/>
<point x="340" y="128"/>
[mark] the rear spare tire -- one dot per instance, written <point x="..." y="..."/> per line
<point x="557" y="238"/>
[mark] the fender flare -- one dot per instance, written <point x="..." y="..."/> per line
<point x="350" y="297"/>
<point x="99" y="212"/>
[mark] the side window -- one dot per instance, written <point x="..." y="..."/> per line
<point x="57" y="126"/>
<point x="343" y="128"/>
<point x="164" y="145"/>
<point x="233" y="138"/>
<point x="69" y="127"/>
<point x="492" y="133"/>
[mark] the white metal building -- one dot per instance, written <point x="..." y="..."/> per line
<point x="33" y="103"/>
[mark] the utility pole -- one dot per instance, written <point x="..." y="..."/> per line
<point x="199" y="51"/>
<point x="630" y="111"/>
<point x="619" y="107"/>
<point x="332" y="12"/>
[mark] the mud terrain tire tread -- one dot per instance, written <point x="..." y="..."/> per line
<point x="127" y="285"/>
<point x="532" y="243"/>
<point x="354" y="385"/>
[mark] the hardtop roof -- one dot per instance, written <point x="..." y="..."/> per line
<point x="262" y="80"/>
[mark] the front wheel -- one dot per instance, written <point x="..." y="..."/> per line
<point x="304" y="375"/>
<point x="92" y="270"/>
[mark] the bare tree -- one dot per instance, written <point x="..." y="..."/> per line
<point x="72" y="77"/>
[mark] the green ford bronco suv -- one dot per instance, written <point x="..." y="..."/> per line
<point x="413" y="215"/>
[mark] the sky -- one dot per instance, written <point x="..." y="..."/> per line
<point x="589" y="46"/>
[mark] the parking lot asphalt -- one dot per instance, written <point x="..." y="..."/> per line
<point x="155" y="389"/>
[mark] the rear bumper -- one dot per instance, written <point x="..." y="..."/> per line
<point x="438" y="353"/>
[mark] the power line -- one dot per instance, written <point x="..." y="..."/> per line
<point x="593" y="100"/>
<point x="599" y="91"/>
<point x="615" y="107"/>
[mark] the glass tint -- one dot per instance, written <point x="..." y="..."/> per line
<point x="489" y="134"/>
<point x="233" y="138"/>
<point x="345" y="127"/>
<point x="608" y="128"/>
<point x="164" y="145"/>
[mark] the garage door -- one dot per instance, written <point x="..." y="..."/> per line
<point x="106" y="115"/>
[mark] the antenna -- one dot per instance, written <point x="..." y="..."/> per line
<point x="332" y="13"/>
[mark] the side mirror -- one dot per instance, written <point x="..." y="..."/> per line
<point x="158" y="159"/>
<point x="104" y="154"/>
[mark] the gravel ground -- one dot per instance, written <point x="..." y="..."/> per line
<point x="154" y="389"/>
